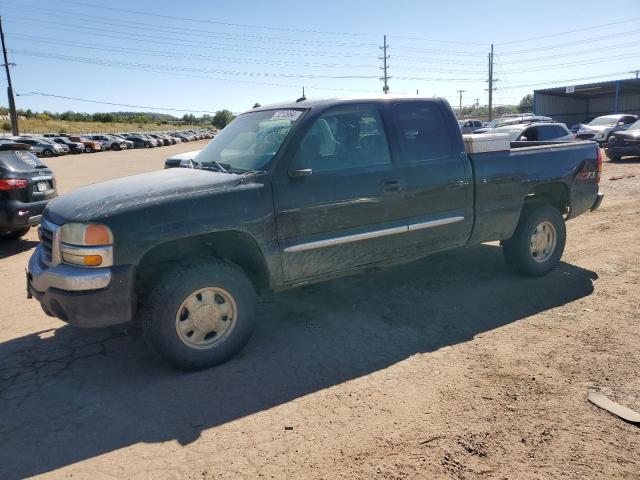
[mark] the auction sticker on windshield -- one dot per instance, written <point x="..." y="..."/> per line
<point x="286" y="115"/>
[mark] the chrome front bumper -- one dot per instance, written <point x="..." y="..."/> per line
<point x="65" y="277"/>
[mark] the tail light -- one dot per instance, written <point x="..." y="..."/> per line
<point x="599" y="160"/>
<point x="13" y="183"/>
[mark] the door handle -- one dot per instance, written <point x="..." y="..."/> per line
<point x="391" y="185"/>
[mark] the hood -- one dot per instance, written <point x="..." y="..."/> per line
<point x="106" y="199"/>
<point x="595" y="128"/>
<point x="628" y="134"/>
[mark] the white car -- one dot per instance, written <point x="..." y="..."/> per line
<point x="536" y="132"/>
<point x="600" y="128"/>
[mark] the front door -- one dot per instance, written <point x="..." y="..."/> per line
<point x="340" y="205"/>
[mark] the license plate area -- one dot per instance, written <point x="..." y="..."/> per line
<point x="42" y="186"/>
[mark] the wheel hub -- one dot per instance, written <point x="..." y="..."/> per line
<point x="206" y="317"/>
<point x="543" y="241"/>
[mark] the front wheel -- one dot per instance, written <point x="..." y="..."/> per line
<point x="47" y="152"/>
<point x="88" y="149"/>
<point x="538" y="242"/>
<point x="613" y="158"/>
<point x="200" y="315"/>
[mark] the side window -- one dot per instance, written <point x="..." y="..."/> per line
<point x="423" y="132"/>
<point x="628" y="120"/>
<point x="531" y="133"/>
<point x="547" y="133"/>
<point x="560" y="131"/>
<point x="344" y="137"/>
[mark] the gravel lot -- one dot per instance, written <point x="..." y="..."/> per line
<point x="450" y="367"/>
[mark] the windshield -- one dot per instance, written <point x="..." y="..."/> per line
<point x="251" y="141"/>
<point x="634" y="126"/>
<point x="513" y="132"/>
<point x="604" y="121"/>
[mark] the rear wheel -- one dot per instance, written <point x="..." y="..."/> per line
<point x="14" y="234"/>
<point x="88" y="149"/>
<point x="47" y="152"/>
<point x="115" y="147"/>
<point x="538" y="242"/>
<point x="200" y="315"/>
<point x="613" y="158"/>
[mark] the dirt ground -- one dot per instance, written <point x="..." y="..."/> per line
<point x="451" y="367"/>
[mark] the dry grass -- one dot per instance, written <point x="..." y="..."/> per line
<point x="62" y="126"/>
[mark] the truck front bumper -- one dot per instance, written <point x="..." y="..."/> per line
<point x="84" y="297"/>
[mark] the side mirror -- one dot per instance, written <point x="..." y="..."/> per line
<point x="523" y="139"/>
<point x="304" y="172"/>
<point x="621" y="124"/>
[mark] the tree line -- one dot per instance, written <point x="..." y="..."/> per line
<point x="219" y="120"/>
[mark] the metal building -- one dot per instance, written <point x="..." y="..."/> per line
<point x="579" y="103"/>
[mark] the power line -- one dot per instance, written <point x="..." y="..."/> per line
<point x="118" y="63"/>
<point x="202" y="33"/>
<point x="578" y="52"/>
<point x="29" y="94"/>
<point x="568" y="80"/>
<point x="560" y="45"/>
<point x="570" y="64"/>
<point x="566" y="32"/>
<point x="176" y="54"/>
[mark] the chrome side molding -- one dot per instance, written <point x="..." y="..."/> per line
<point x="329" y="242"/>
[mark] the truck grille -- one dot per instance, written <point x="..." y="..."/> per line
<point x="47" y="233"/>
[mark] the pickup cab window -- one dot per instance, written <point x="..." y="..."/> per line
<point x="343" y="138"/>
<point x="423" y="131"/>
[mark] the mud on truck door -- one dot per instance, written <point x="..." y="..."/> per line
<point x="339" y="204"/>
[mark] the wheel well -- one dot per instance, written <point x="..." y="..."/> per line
<point x="554" y="194"/>
<point x="237" y="247"/>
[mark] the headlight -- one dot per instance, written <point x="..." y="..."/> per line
<point x="86" y="244"/>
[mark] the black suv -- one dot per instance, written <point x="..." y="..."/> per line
<point x="624" y="143"/>
<point x="26" y="186"/>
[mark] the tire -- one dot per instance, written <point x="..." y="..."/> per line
<point x="88" y="149"/>
<point x="14" y="234"/>
<point x="115" y="147"/>
<point x="613" y="158"/>
<point x="47" y="152"/>
<point x="171" y="328"/>
<point x="532" y="260"/>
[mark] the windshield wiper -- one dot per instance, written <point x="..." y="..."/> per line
<point x="219" y="167"/>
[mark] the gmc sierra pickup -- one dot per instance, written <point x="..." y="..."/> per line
<point x="293" y="194"/>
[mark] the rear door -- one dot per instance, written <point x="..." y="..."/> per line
<point x="439" y="190"/>
<point x="347" y="210"/>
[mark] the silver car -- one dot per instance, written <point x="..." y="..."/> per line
<point x="42" y="147"/>
<point x="536" y="132"/>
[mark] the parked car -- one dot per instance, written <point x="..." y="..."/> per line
<point x="513" y="120"/>
<point x="577" y="126"/>
<point x="74" y="147"/>
<point x="109" y="142"/>
<point x="26" y="186"/>
<point x="140" y="142"/>
<point x="536" y="132"/>
<point x="127" y="143"/>
<point x="624" y="143"/>
<point x="161" y="140"/>
<point x="184" y="160"/>
<point x="600" y="128"/>
<point x="90" y="146"/>
<point x="42" y="147"/>
<point x="295" y="194"/>
<point x="468" y="126"/>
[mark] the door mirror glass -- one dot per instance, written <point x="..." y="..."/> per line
<point x="523" y="139"/>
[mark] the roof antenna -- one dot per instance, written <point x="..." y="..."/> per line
<point x="303" y="97"/>
<point x="256" y="105"/>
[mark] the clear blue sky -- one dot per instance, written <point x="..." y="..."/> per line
<point x="204" y="55"/>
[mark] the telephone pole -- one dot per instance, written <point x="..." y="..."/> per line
<point x="12" y="103"/>
<point x="460" y="92"/>
<point x="637" y="72"/>
<point x="384" y="67"/>
<point x="491" y="84"/>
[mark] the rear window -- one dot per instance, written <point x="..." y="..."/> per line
<point x="423" y="132"/>
<point x="19" y="161"/>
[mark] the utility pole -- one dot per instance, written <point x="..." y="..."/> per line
<point x="460" y="92"/>
<point x="491" y="84"/>
<point x="384" y="67"/>
<point x="477" y="102"/>
<point x="637" y="72"/>
<point x="12" y="103"/>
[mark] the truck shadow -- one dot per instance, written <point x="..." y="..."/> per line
<point x="68" y="395"/>
<point x="8" y="248"/>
